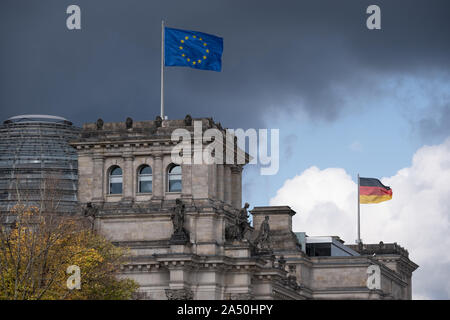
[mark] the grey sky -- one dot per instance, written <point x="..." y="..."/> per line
<point x="277" y="54"/>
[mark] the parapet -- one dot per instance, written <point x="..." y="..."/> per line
<point x="139" y="130"/>
<point x="380" y="249"/>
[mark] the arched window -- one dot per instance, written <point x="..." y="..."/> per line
<point x="145" y="179"/>
<point x="115" y="180"/>
<point x="174" y="178"/>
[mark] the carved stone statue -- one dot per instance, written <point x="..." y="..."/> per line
<point x="263" y="240"/>
<point x="243" y="219"/>
<point x="180" y="236"/>
<point x="178" y="216"/>
<point x="90" y="211"/>
<point x="129" y="123"/>
<point x="99" y="124"/>
<point x="236" y="231"/>
<point x="188" y="120"/>
<point x="232" y="231"/>
<point x="158" y="121"/>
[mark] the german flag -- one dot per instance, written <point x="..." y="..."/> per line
<point x="371" y="190"/>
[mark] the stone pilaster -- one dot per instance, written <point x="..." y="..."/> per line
<point x="98" y="191"/>
<point x="158" y="178"/>
<point x="186" y="190"/>
<point x="236" y="186"/>
<point x="227" y="184"/>
<point x="128" y="178"/>
<point x="220" y="182"/>
<point x="212" y="181"/>
<point x="179" y="274"/>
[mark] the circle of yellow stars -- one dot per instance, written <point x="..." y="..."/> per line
<point x="188" y="59"/>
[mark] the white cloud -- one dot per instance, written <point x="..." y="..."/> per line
<point x="417" y="217"/>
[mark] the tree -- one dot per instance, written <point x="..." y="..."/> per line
<point x="37" y="249"/>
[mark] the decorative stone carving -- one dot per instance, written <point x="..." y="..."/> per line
<point x="241" y="296"/>
<point x="188" y="120"/>
<point x="158" y="121"/>
<point x="236" y="231"/>
<point x="263" y="241"/>
<point x="129" y="123"/>
<point x="282" y="263"/>
<point x="180" y="235"/>
<point x="99" y="124"/>
<point x="179" y="294"/>
<point x="292" y="269"/>
<point x="138" y="295"/>
<point x="291" y="281"/>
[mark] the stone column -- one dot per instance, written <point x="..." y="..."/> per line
<point x="236" y="186"/>
<point x="227" y="184"/>
<point x="128" y="177"/>
<point x="212" y="181"/>
<point x="98" y="191"/>
<point x="220" y="182"/>
<point x="158" y="178"/>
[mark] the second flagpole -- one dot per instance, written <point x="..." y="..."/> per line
<point x="359" y="234"/>
<point x="162" y="69"/>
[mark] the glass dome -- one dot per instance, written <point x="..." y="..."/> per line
<point x="37" y="164"/>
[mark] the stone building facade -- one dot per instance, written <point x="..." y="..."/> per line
<point x="188" y="232"/>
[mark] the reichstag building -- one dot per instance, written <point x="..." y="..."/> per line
<point x="186" y="225"/>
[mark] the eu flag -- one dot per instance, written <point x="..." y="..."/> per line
<point x="192" y="49"/>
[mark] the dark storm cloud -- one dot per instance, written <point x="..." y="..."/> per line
<point x="278" y="56"/>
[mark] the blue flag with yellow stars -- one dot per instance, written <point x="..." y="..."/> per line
<point x="192" y="49"/>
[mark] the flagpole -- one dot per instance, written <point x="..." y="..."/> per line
<point x="359" y="234"/>
<point x="162" y="69"/>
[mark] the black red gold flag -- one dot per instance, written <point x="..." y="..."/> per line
<point x="371" y="190"/>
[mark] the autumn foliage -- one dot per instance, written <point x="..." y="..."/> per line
<point x="37" y="249"/>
